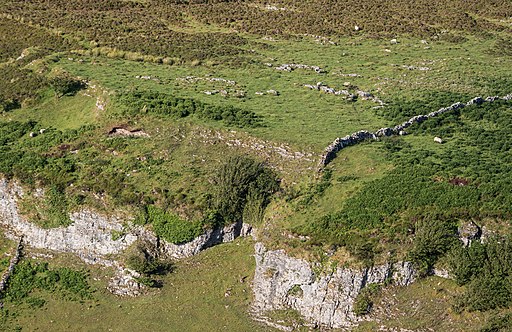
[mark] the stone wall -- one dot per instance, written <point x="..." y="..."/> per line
<point x="339" y="143"/>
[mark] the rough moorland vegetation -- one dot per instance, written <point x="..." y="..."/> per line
<point x="191" y="115"/>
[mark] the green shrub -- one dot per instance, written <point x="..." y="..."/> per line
<point x="240" y="181"/>
<point x="498" y="323"/>
<point x="136" y="102"/>
<point x="171" y="228"/>
<point x="30" y="276"/>
<point x="145" y="259"/>
<point x="467" y="262"/>
<point x="486" y="270"/>
<point x="364" y="300"/>
<point x="63" y="84"/>
<point x="433" y="238"/>
<point x="486" y="292"/>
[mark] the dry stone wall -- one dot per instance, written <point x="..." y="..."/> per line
<point x="12" y="264"/>
<point x="355" y="138"/>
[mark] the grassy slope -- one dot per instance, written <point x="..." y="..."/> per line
<point x="192" y="299"/>
<point x="422" y="306"/>
<point x="306" y="119"/>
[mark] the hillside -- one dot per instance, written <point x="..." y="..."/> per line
<point x="365" y="141"/>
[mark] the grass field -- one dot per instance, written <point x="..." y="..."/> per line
<point x="211" y="291"/>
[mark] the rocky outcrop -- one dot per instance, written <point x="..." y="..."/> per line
<point x="468" y="232"/>
<point x="339" y="143"/>
<point x="12" y="264"/>
<point x="90" y="237"/>
<point x="325" y="299"/>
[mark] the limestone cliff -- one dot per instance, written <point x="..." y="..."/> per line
<point x="90" y="237"/>
<point x="325" y="299"/>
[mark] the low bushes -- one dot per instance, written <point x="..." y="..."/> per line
<point x="30" y="276"/>
<point x="136" y="102"/>
<point x="486" y="270"/>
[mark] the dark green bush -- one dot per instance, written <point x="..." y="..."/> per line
<point x="486" y="270"/>
<point x="433" y="238"/>
<point x="145" y="259"/>
<point x="30" y="276"/>
<point x="467" y="262"/>
<point x="364" y="300"/>
<point x="498" y="323"/>
<point x="136" y="102"/>
<point x="63" y="84"/>
<point x="240" y="181"/>
<point x="487" y="292"/>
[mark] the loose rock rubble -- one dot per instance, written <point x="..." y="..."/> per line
<point x="194" y="79"/>
<point x="292" y="66"/>
<point x="339" y="143"/>
<point x="268" y="149"/>
<point x="124" y="132"/>
<point x="321" y="39"/>
<point x="358" y="93"/>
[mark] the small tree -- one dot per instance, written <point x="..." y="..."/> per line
<point x="239" y="181"/>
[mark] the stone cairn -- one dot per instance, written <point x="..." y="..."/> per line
<point x="362" y="135"/>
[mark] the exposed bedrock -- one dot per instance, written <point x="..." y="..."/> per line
<point x="90" y="237"/>
<point x="325" y="299"/>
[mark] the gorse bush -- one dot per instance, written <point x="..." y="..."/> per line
<point x="486" y="270"/>
<point x="241" y="183"/>
<point x="432" y="239"/>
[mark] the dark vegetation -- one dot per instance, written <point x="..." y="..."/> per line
<point x="144" y="258"/>
<point x="17" y="38"/>
<point x="420" y="187"/>
<point x="498" y="322"/>
<point x="486" y="270"/>
<point x="30" y="277"/>
<point x="169" y="226"/>
<point x="116" y="23"/>
<point x="17" y="85"/>
<point x="365" y="299"/>
<point x="243" y="186"/>
<point x="375" y="18"/>
<point x="140" y="102"/>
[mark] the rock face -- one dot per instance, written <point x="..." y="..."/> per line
<point x="90" y="238"/>
<point x="469" y="232"/>
<point x="282" y="282"/>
